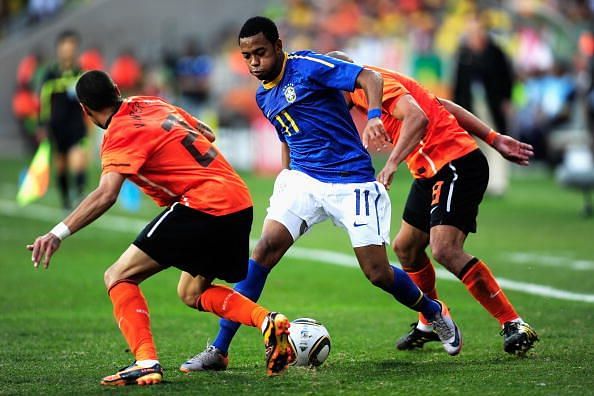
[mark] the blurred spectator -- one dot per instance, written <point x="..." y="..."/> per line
<point x="126" y="72"/>
<point x="91" y="59"/>
<point x="26" y="69"/>
<point x="10" y="14"/>
<point x="25" y="103"/>
<point x="482" y="63"/>
<point x="16" y="15"/>
<point x="534" y="51"/>
<point x="62" y="119"/>
<point x="587" y="48"/>
<point x="549" y="101"/>
<point x="155" y="84"/>
<point x="484" y="75"/>
<point x="42" y="9"/>
<point x="192" y="72"/>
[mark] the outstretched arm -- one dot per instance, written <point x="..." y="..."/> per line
<point x="373" y="84"/>
<point x="92" y="207"/>
<point x="510" y="148"/>
<point x="414" y="124"/>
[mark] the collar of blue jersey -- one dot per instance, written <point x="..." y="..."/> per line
<point x="274" y="83"/>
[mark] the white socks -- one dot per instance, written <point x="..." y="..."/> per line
<point x="146" y="363"/>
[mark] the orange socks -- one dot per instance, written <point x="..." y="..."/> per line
<point x="481" y="283"/>
<point x="228" y="304"/>
<point x="131" y="313"/>
<point x="424" y="278"/>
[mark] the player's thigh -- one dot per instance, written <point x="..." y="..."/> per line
<point x="295" y="202"/>
<point x="363" y="210"/>
<point x="446" y="235"/>
<point x="458" y="191"/>
<point x="133" y="265"/>
<point x="417" y="209"/>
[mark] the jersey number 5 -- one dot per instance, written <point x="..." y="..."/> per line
<point x="188" y="142"/>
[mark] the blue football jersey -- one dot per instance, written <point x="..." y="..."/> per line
<point x="306" y="106"/>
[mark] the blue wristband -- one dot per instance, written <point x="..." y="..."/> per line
<point x="374" y="113"/>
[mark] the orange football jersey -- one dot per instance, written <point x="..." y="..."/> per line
<point x="157" y="146"/>
<point x="444" y="141"/>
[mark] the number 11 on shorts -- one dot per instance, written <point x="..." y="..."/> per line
<point x="358" y="202"/>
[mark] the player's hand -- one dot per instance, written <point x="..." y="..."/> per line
<point x="43" y="248"/>
<point x="513" y="150"/>
<point x="387" y="174"/>
<point x="375" y="133"/>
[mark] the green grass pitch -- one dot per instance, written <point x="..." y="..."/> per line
<point x="58" y="336"/>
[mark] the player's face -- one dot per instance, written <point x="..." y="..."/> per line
<point x="263" y="58"/>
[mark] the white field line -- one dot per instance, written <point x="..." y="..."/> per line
<point x="47" y="213"/>
<point x="131" y="225"/>
<point x="548" y="260"/>
<point x="346" y="260"/>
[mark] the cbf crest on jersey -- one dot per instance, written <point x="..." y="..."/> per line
<point x="289" y="92"/>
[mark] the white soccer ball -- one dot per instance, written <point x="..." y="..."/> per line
<point x="311" y="342"/>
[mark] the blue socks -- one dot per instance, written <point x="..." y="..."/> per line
<point x="251" y="287"/>
<point x="406" y="292"/>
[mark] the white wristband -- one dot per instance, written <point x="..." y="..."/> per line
<point x="61" y="231"/>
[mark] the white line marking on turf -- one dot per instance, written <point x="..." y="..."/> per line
<point x="347" y="260"/>
<point x="547" y="260"/>
<point x="47" y="213"/>
<point x="131" y="225"/>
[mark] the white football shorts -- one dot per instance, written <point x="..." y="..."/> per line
<point x="363" y="209"/>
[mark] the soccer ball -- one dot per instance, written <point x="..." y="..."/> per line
<point x="311" y="342"/>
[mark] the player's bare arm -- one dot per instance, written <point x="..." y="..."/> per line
<point x="285" y="155"/>
<point x="372" y="84"/>
<point x="91" y="208"/>
<point x="414" y="126"/>
<point x="510" y="148"/>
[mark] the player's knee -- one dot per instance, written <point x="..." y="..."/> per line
<point x="110" y="277"/>
<point x="267" y="251"/>
<point x="380" y="278"/>
<point x="188" y="298"/>
<point x="405" y="249"/>
<point x="444" y="253"/>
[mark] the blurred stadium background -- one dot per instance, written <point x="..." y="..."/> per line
<point x="534" y="231"/>
<point x="185" y="51"/>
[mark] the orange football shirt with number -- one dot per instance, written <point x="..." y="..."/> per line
<point x="444" y="141"/>
<point x="157" y="146"/>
